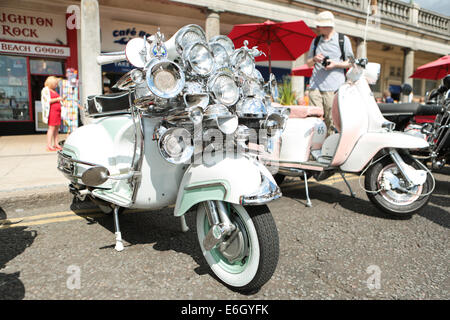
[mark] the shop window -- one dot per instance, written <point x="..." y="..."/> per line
<point x="14" y="98"/>
<point x="46" y="67"/>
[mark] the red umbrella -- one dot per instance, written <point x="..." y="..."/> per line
<point x="278" y="40"/>
<point x="433" y="70"/>
<point x="303" y="70"/>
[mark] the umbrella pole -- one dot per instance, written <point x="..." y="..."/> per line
<point x="270" y="63"/>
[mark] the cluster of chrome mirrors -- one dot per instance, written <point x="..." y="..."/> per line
<point x="188" y="81"/>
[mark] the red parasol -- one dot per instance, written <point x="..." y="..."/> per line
<point x="434" y="70"/>
<point x="278" y="40"/>
<point x="303" y="70"/>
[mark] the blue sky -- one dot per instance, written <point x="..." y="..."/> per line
<point x="440" y="6"/>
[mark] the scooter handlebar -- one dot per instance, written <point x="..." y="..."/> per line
<point x="111" y="57"/>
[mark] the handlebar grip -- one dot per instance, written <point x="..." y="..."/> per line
<point x="429" y="110"/>
<point x="111" y="57"/>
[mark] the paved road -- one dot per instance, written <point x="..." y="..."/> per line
<point x="329" y="251"/>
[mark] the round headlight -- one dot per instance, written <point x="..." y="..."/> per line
<point x="200" y="58"/>
<point x="243" y="62"/>
<point x="175" y="145"/>
<point x="188" y="35"/>
<point x="220" y="54"/>
<point x="224" y="89"/>
<point x="251" y="108"/>
<point x="274" y="122"/>
<point x="165" y="78"/>
<point x="226" y="42"/>
<point x="196" y="115"/>
<point x="253" y="88"/>
<point x="137" y="76"/>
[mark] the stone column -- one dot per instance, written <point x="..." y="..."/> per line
<point x="212" y="24"/>
<point x="91" y="75"/>
<point x="414" y="14"/>
<point x="361" y="48"/>
<point x="408" y="66"/>
<point x="297" y="82"/>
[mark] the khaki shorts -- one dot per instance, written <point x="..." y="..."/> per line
<point x="323" y="99"/>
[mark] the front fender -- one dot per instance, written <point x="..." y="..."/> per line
<point x="230" y="180"/>
<point x="371" y="143"/>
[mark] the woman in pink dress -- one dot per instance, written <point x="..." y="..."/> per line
<point x="54" y="117"/>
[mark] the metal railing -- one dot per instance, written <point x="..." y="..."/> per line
<point x="393" y="12"/>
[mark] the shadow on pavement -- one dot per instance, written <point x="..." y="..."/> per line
<point x="13" y="241"/>
<point x="328" y="194"/>
<point x="160" y="228"/>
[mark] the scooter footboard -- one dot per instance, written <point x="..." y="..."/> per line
<point x="371" y="143"/>
<point x="241" y="181"/>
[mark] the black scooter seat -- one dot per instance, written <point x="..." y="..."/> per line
<point x="413" y="108"/>
<point x="108" y="102"/>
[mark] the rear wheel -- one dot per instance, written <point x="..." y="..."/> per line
<point x="394" y="200"/>
<point x="251" y="255"/>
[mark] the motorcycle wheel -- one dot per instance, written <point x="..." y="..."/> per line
<point x="395" y="202"/>
<point x="255" y="248"/>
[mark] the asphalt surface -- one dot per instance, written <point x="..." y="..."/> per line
<point x="341" y="248"/>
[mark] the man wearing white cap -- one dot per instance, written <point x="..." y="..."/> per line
<point x="329" y="54"/>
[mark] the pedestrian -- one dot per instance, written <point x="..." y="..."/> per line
<point x="51" y="103"/>
<point x="329" y="54"/>
<point x="387" y="97"/>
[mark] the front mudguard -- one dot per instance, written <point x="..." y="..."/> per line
<point x="240" y="180"/>
<point x="371" y="143"/>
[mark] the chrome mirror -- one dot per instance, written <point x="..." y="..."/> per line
<point x="136" y="52"/>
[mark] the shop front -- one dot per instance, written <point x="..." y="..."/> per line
<point x="33" y="46"/>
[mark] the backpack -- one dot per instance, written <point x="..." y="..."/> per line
<point x="341" y="45"/>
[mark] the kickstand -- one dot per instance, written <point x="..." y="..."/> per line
<point x="308" y="201"/>
<point x="348" y="185"/>
<point x="184" y="226"/>
<point x="119" y="243"/>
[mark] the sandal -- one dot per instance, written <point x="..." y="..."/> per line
<point x="57" y="147"/>
<point x="50" y="149"/>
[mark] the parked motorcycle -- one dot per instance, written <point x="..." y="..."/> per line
<point x="438" y="132"/>
<point x="365" y="143"/>
<point x="161" y="142"/>
<point x="427" y="121"/>
<point x="409" y="117"/>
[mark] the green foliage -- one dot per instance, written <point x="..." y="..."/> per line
<point x="285" y="93"/>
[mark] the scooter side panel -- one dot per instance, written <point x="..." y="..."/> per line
<point x="353" y="121"/>
<point x="369" y="145"/>
<point x="226" y="180"/>
<point x="160" y="179"/>
<point x="297" y="138"/>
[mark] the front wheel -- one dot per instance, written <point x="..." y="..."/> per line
<point x="250" y="256"/>
<point x="395" y="200"/>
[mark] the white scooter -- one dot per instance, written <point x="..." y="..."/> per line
<point x="137" y="152"/>
<point x="365" y="143"/>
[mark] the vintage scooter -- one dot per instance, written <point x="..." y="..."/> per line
<point x="145" y="148"/>
<point x="365" y="143"/>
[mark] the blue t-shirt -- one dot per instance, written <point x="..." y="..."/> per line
<point x="329" y="80"/>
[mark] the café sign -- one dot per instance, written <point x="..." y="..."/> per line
<point x="33" y="49"/>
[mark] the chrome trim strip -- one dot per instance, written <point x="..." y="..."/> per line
<point x="267" y="192"/>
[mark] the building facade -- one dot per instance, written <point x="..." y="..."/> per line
<point x="43" y="37"/>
